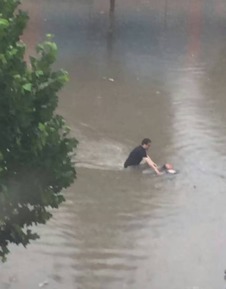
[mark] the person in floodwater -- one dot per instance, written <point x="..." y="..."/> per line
<point x="168" y="168"/>
<point x="139" y="154"/>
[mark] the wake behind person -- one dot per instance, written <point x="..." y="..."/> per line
<point x="139" y="154"/>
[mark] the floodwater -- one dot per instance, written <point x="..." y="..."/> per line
<point x="153" y="68"/>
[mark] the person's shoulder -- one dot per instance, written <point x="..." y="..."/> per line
<point x="138" y="148"/>
<point x="142" y="151"/>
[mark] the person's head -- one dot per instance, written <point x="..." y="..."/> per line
<point x="168" y="166"/>
<point x="146" y="143"/>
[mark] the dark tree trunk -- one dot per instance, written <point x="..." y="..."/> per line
<point x="112" y="6"/>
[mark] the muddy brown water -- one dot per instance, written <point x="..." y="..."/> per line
<point x="151" y="69"/>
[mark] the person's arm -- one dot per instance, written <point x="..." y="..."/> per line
<point x="152" y="165"/>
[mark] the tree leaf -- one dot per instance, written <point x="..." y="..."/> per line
<point x="27" y="87"/>
<point x="4" y="22"/>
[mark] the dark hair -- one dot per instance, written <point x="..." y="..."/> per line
<point x="145" y="141"/>
<point x="163" y="168"/>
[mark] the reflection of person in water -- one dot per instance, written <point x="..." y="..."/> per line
<point x="140" y="154"/>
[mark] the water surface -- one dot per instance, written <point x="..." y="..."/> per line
<point x="151" y="69"/>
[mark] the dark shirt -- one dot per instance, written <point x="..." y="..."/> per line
<point x="135" y="157"/>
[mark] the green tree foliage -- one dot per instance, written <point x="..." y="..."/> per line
<point x="35" y="147"/>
